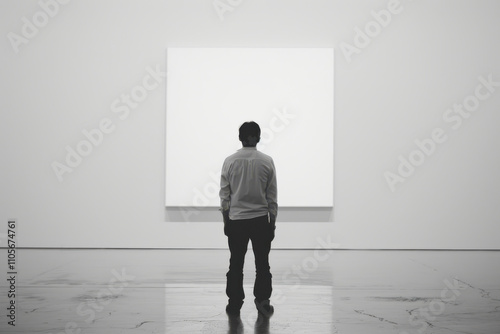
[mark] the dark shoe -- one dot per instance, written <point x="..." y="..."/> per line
<point x="264" y="308"/>
<point x="233" y="309"/>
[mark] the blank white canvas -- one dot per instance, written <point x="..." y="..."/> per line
<point x="212" y="91"/>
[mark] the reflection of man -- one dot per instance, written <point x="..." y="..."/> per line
<point x="249" y="207"/>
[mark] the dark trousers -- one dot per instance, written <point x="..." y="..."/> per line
<point x="239" y="232"/>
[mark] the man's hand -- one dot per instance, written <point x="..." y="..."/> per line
<point x="272" y="226"/>
<point x="225" y="217"/>
<point x="272" y="220"/>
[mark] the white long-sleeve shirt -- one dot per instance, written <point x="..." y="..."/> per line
<point x="248" y="184"/>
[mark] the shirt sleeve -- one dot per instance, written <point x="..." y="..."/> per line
<point x="225" y="190"/>
<point x="272" y="191"/>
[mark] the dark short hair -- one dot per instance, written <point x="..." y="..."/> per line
<point x="248" y="129"/>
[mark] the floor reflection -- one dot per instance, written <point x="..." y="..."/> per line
<point x="236" y="325"/>
<point x="261" y="325"/>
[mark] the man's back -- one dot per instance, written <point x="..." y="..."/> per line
<point x="249" y="208"/>
<point x="248" y="184"/>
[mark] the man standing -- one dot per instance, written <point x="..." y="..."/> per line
<point x="249" y="207"/>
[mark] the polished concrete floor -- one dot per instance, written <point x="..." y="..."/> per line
<point x="182" y="291"/>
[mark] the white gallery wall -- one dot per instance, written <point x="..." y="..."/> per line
<point x="417" y="101"/>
